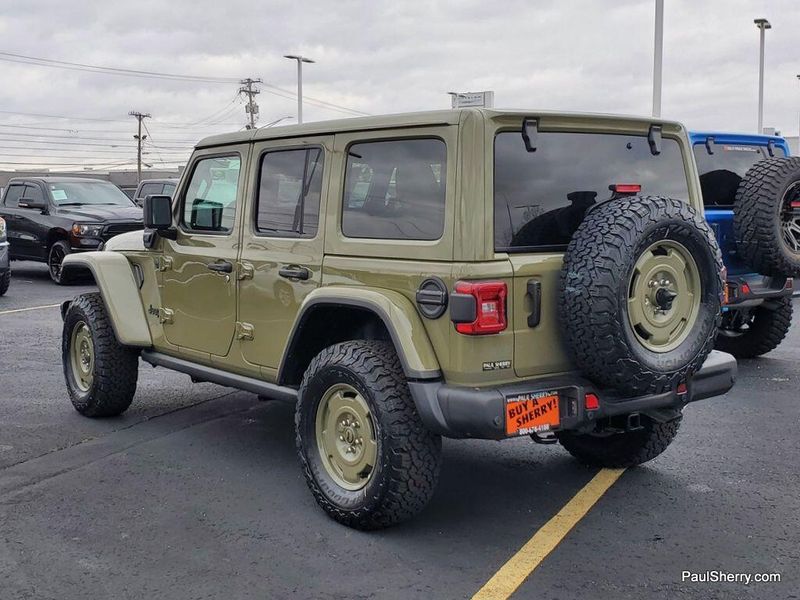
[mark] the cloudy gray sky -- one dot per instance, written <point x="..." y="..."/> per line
<point x="373" y="57"/>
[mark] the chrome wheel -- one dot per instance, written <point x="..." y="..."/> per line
<point x="790" y="218"/>
<point x="82" y="356"/>
<point x="664" y="296"/>
<point x="346" y="437"/>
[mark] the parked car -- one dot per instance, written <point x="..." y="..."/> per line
<point x="5" y="266"/>
<point x="149" y="187"/>
<point x="469" y="273"/>
<point x="49" y="218"/>
<point x="751" y="193"/>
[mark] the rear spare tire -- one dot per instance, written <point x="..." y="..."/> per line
<point x="766" y="217"/>
<point x="641" y="288"/>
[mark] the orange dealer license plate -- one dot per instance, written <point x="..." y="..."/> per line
<point x="532" y="413"/>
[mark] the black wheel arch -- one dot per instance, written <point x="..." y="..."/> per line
<point x="341" y="320"/>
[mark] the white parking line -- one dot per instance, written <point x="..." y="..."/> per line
<point x="16" y="310"/>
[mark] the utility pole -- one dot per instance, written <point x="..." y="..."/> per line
<point x="300" y="60"/>
<point x="139" y="139"/>
<point x="658" y="54"/>
<point x="762" y="25"/>
<point x="251" y="108"/>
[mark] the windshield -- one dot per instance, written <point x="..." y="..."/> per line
<point x="722" y="172"/>
<point x="541" y="197"/>
<point x="76" y="193"/>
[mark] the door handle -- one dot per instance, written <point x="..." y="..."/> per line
<point x="221" y="267"/>
<point x="294" y="272"/>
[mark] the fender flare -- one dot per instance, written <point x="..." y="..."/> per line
<point x="114" y="277"/>
<point x="398" y="315"/>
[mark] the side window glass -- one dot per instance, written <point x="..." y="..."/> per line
<point x="395" y="190"/>
<point x="34" y="192"/>
<point x="149" y="189"/>
<point x="169" y="189"/>
<point x="13" y="195"/>
<point x="289" y="189"/>
<point x="210" y="200"/>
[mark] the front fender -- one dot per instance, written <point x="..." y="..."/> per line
<point x="396" y="312"/>
<point x="114" y="276"/>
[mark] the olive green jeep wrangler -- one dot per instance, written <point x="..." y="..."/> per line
<point x="466" y="273"/>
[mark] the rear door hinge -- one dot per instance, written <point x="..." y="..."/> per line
<point x="163" y="262"/>
<point x="246" y="271"/>
<point x="165" y="315"/>
<point x="244" y="331"/>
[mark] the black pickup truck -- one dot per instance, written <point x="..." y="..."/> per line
<point x="50" y="217"/>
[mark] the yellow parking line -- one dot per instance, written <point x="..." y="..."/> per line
<point x="16" y="310"/>
<point x="512" y="574"/>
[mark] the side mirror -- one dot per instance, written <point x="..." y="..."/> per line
<point x="34" y="204"/>
<point x="157" y="212"/>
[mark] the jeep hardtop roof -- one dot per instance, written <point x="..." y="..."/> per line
<point x="744" y="139"/>
<point x="401" y="120"/>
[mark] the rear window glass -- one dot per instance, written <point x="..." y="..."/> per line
<point x="722" y="172"/>
<point x="395" y="190"/>
<point x="541" y="197"/>
<point x="289" y="191"/>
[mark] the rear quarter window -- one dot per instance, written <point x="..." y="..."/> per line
<point x="395" y="190"/>
<point x="541" y="197"/>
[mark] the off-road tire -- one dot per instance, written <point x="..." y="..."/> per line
<point x="409" y="456"/>
<point x="59" y="276"/>
<point x="595" y="280"/>
<point x="5" y="281"/>
<point x="620" y="450"/>
<point x="757" y="217"/>
<point x="116" y="367"/>
<point x="766" y="331"/>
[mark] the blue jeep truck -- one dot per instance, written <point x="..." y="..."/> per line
<point x="751" y="193"/>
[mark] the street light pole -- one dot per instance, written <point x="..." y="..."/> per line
<point x="658" y="54"/>
<point x="300" y="60"/>
<point x="798" y="131"/>
<point x="762" y="25"/>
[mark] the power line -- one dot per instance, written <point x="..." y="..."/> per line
<point x="272" y="89"/>
<point x="74" y="66"/>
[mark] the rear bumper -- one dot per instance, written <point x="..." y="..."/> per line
<point x="462" y="412"/>
<point x="753" y="289"/>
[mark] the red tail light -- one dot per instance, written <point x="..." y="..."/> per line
<point x="626" y="188"/>
<point x="490" y="307"/>
<point x="591" y="401"/>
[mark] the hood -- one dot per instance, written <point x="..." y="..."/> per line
<point x="97" y="214"/>
<point x="132" y="241"/>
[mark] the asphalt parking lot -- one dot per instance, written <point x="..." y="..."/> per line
<point x="196" y="493"/>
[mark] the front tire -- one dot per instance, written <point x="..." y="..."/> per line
<point x="5" y="281"/>
<point x="366" y="456"/>
<point x="621" y="450"/>
<point x="100" y="373"/>
<point x="55" y="258"/>
<point x="756" y="333"/>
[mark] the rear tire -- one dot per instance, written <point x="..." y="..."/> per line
<point x="55" y="257"/>
<point x="621" y="450"/>
<point x="5" y="281"/>
<point x="762" y="331"/>
<point x="374" y="410"/>
<point x="100" y="373"/>
<point x="766" y="227"/>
